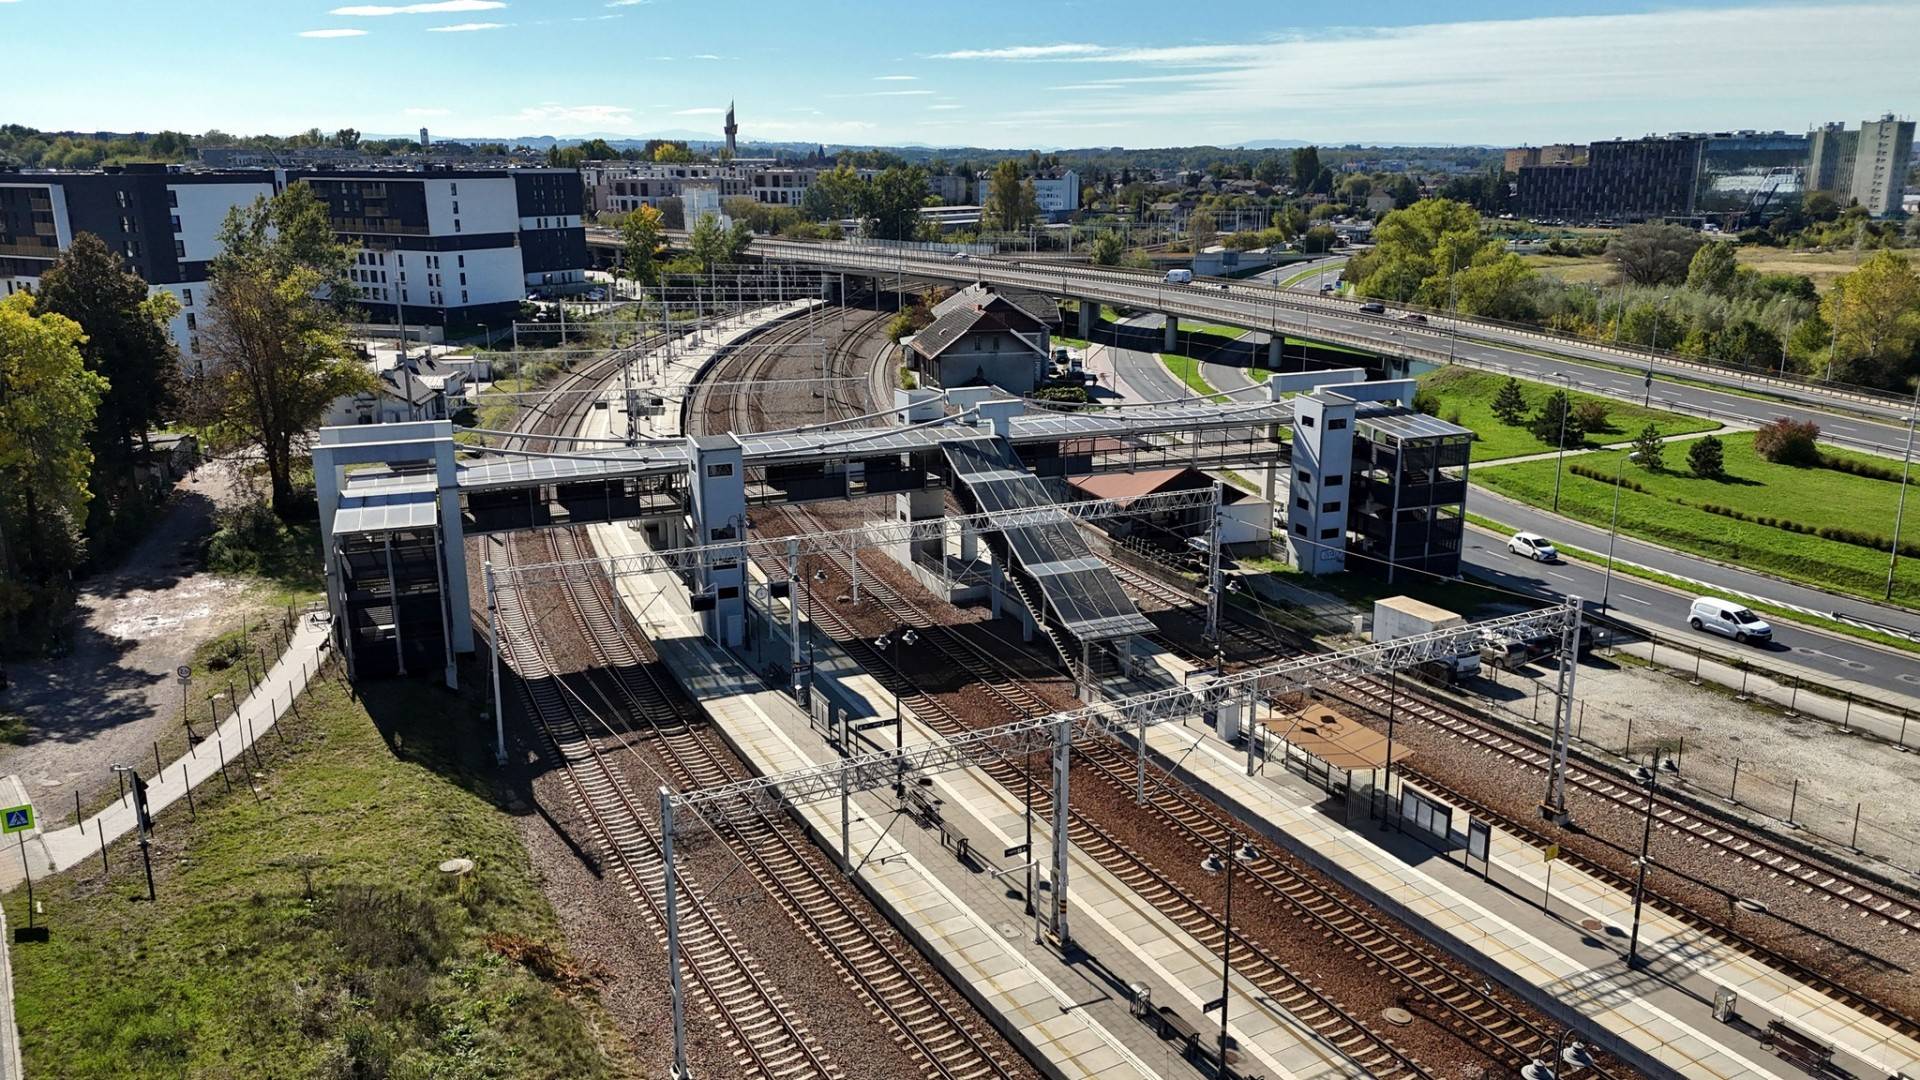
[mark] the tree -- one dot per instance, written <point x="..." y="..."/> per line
<point x="1417" y="252"/>
<point x="1713" y="269"/>
<point x="1009" y="203"/>
<point x="277" y="345"/>
<point x="1404" y="190"/>
<point x="1875" y="313"/>
<point x="47" y="403"/>
<point x="1270" y="170"/>
<point x="598" y="150"/>
<point x="1654" y="254"/>
<point x="1556" y="424"/>
<point x="126" y="344"/>
<point x="1317" y="240"/>
<point x="1649" y="449"/>
<point x="1499" y="285"/>
<point x="346" y="138"/>
<point x="642" y="236"/>
<point x="834" y="194"/>
<point x="1306" y="166"/>
<point x="1510" y="404"/>
<point x="1593" y="414"/>
<point x="1788" y="442"/>
<point x="1108" y="247"/>
<point x="1745" y="343"/>
<point x="712" y="244"/>
<point x="1707" y="458"/>
<point x="1201" y="230"/>
<point x="891" y="202"/>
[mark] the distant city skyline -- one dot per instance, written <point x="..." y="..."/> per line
<point x="1006" y="76"/>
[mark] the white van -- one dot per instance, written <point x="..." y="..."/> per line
<point x="1179" y="277"/>
<point x="1728" y="619"/>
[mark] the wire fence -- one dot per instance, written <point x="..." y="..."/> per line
<point x="1868" y="828"/>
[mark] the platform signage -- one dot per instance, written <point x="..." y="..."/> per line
<point x="1551" y="853"/>
<point x="16" y="819"/>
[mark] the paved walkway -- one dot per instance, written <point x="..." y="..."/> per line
<point x="51" y="852"/>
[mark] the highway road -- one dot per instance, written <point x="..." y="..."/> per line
<point x="1260" y="306"/>
<point x="1629" y="598"/>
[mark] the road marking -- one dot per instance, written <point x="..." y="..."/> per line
<point x="1561" y="576"/>
<point x="1635" y="599"/>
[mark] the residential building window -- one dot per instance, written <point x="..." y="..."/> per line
<point x="174" y="220"/>
<point x="463" y="261"/>
<point x="1306" y="421"/>
<point x="173" y="198"/>
<point x="455" y="187"/>
<point x="456" y="207"/>
<point x="186" y="297"/>
<point x="179" y="249"/>
<point x="193" y="343"/>
<point x="463" y="279"/>
<point x="463" y="296"/>
<point x="456" y="224"/>
<point x="1337" y="423"/>
<point x="1299" y="529"/>
<point x="1330" y="508"/>
<point x="1335" y="480"/>
<point x="193" y="322"/>
<point x="1303" y="503"/>
<point x="1303" y="476"/>
<point x="1329" y="534"/>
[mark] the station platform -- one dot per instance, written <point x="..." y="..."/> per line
<point x="969" y="915"/>
<point x="1560" y="942"/>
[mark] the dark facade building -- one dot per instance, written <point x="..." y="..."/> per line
<point x="439" y="247"/>
<point x="1728" y="177"/>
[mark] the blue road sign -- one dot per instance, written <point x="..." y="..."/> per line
<point x="16" y="819"/>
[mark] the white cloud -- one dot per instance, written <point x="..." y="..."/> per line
<point x="703" y="56"/>
<point x="896" y="78"/>
<point x="627" y="3"/>
<point x="418" y="110"/>
<point x="1547" y="78"/>
<point x="465" y="27"/>
<point x="1024" y="52"/>
<point x="946" y="106"/>
<point x="336" y="32"/>
<point x="439" y="7"/>
<point x="702" y="111"/>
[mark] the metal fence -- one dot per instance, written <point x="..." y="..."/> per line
<point x="1720" y="776"/>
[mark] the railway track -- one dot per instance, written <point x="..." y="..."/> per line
<point x="1860" y="898"/>
<point x="1451" y="997"/>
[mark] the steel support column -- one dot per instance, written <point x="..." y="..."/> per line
<point x="1062" y="765"/>
<point x="675" y="993"/>
<point x="493" y="629"/>
<point x="1555" y="806"/>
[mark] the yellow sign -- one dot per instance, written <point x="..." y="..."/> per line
<point x="1552" y="853"/>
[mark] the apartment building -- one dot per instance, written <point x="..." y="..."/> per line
<point x="440" y="247"/>
<point x="1867" y="166"/>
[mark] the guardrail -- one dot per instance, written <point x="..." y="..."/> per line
<point x="1485" y="331"/>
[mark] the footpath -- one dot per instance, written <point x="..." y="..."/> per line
<point x="49" y="852"/>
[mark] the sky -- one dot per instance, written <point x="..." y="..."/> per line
<point x="995" y="73"/>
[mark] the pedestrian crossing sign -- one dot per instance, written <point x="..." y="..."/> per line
<point x="16" y="819"/>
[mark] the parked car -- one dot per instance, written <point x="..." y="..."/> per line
<point x="1728" y="619"/>
<point x="1374" y="307"/>
<point x="1532" y="546"/>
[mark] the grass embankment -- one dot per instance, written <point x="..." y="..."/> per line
<point x="308" y="932"/>
<point x="1466" y="397"/>
<point x="1187" y="370"/>
<point x="1821" y="266"/>
<point x="1669" y="512"/>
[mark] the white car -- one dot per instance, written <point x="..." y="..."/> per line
<point x="1532" y="546"/>
<point x="1729" y="619"/>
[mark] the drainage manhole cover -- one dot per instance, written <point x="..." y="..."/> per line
<point x="1008" y="930"/>
<point x="1398" y="1017"/>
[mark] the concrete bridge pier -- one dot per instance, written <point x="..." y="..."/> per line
<point x="1172" y="339"/>
<point x="1275" y="351"/>
<point x="1088" y="309"/>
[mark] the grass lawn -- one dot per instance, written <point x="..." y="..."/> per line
<point x="308" y="932"/>
<point x="1821" y="266"/>
<point x="1469" y="395"/>
<point x="1669" y="513"/>
<point x="1187" y="370"/>
<point x="1229" y="332"/>
<point x="1573" y="269"/>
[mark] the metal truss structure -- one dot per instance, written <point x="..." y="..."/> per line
<point x="841" y="541"/>
<point x="864" y="772"/>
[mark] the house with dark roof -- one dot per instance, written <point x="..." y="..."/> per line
<point x="981" y="338"/>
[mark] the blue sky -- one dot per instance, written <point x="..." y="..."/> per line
<point x="982" y="72"/>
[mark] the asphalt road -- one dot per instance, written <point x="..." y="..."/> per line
<point x="1486" y="558"/>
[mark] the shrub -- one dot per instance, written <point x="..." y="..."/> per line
<point x="1592" y="473"/>
<point x="1652" y="451"/>
<point x="1426" y="401"/>
<point x="1592" y="415"/>
<point x="241" y="535"/>
<point x="1556" y="421"/>
<point x="1873" y="470"/>
<point x="1788" y="442"/>
<point x="1708" y="458"/>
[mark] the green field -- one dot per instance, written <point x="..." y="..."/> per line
<point x="1466" y="398"/>
<point x="307" y="932"/>
<point x="1669" y="513"/>
<point x="1821" y="266"/>
<point x="1187" y="370"/>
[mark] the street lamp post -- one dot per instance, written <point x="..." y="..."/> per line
<point x="885" y="645"/>
<point x="1215" y="864"/>
<point x="1906" y="465"/>
<point x="1613" y="528"/>
<point x="1560" y="454"/>
<point x="1833" y="349"/>
<point x="1650" y="778"/>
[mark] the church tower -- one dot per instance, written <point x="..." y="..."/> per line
<point x="733" y="130"/>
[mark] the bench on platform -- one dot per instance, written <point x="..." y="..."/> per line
<point x="1798" y="1048"/>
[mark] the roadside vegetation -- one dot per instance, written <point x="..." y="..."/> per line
<point x="307" y="931"/>
<point x="1828" y="525"/>
<point x="1505" y="414"/>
